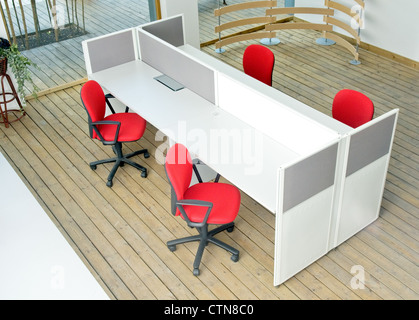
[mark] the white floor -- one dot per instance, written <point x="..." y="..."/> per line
<point x="36" y="262"/>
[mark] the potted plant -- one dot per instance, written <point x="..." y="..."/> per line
<point x="19" y="64"/>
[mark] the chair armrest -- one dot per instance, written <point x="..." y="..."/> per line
<point x="199" y="203"/>
<point x="108" y="122"/>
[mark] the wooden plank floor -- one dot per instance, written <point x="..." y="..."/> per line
<point x="120" y="233"/>
<point x="62" y="62"/>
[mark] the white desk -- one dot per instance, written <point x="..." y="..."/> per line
<point x="307" y="168"/>
<point x="36" y="262"/>
<point x="188" y="118"/>
<point x="242" y="154"/>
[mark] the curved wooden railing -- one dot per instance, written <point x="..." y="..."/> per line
<point x="354" y="33"/>
<point x="244" y="6"/>
<point x="265" y="20"/>
<point x="269" y="22"/>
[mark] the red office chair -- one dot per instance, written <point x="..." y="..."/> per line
<point x="258" y="62"/>
<point x="113" y="129"/>
<point x="201" y="204"/>
<point x="352" y="108"/>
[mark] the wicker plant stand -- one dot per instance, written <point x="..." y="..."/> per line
<point x="8" y="97"/>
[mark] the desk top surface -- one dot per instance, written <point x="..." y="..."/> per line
<point x="269" y="91"/>
<point x="243" y="155"/>
<point x="134" y="85"/>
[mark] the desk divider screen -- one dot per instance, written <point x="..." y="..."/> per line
<point x="283" y="124"/>
<point x="177" y="65"/>
<point x="309" y="177"/>
<point x="306" y="191"/>
<point x="110" y="50"/>
<point x="370" y="144"/>
<point x="169" y="30"/>
<point x="365" y="175"/>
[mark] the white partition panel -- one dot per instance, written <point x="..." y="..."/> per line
<point x="365" y="173"/>
<point x="306" y="191"/>
<point x="189" y="9"/>
<point x="283" y="124"/>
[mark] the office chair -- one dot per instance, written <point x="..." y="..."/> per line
<point x="258" y="62"/>
<point x="352" y="108"/>
<point x="113" y="129"/>
<point x="200" y="205"/>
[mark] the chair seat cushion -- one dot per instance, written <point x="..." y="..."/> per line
<point x="225" y="199"/>
<point x="132" y="127"/>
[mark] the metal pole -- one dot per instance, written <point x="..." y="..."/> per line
<point x="272" y="41"/>
<point x="219" y="50"/>
<point x="323" y="41"/>
<point x="355" y="61"/>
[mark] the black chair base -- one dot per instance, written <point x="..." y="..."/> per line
<point x="204" y="238"/>
<point x="120" y="160"/>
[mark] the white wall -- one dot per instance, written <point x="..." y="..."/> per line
<point x="389" y="24"/>
<point x="392" y="25"/>
<point x="189" y="8"/>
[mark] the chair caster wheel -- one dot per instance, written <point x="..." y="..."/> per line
<point x="144" y="174"/>
<point x="196" y="272"/>
<point x="235" y="257"/>
<point x="109" y="184"/>
<point x="93" y="166"/>
<point x="230" y="229"/>
<point x="172" y="248"/>
<point x="146" y="155"/>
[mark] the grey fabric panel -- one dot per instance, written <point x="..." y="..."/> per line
<point x="309" y="177"/>
<point x="370" y="144"/>
<point x="111" y="51"/>
<point x="170" y="30"/>
<point x="165" y="58"/>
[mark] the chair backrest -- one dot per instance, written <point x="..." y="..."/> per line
<point x="178" y="165"/>
<point x="258" y="62"/>
<point x="93" y="99"/>
<point x="352" y="108"/>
